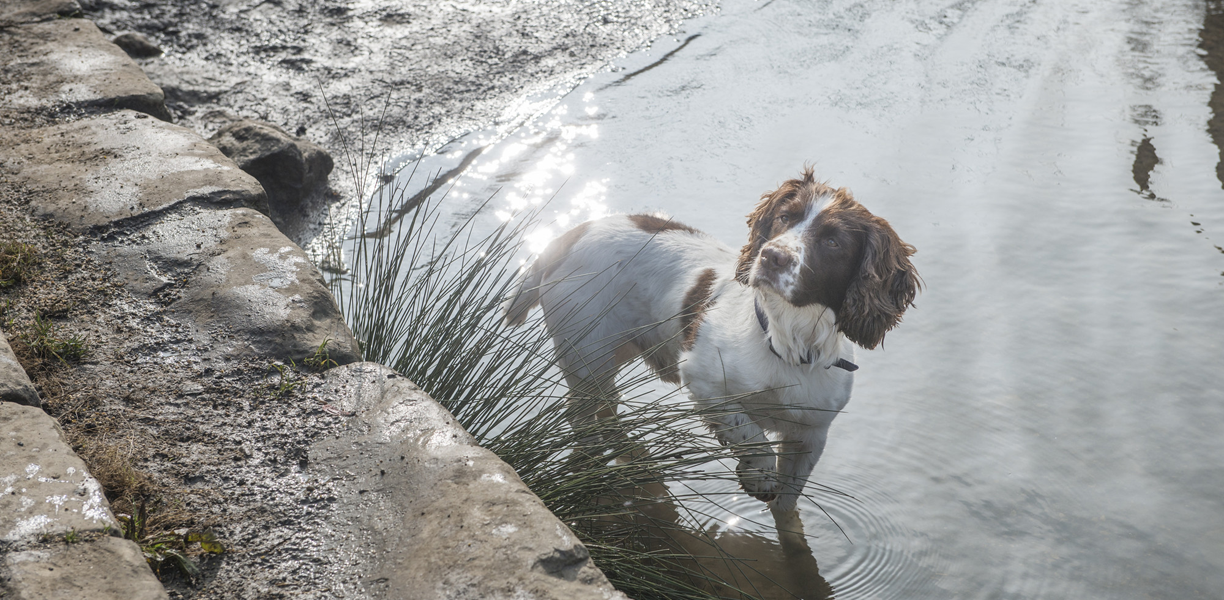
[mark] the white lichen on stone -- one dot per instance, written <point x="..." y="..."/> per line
<point x="281" y="267"/>
<point x="94" y="505"/>
<point x="504" y="531"/>
<point x="57" y="501"/>
<point x="267" y="307"/>
<point x="27" y="528"/>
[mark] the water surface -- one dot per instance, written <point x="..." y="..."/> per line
<point x="1047" y="422"/>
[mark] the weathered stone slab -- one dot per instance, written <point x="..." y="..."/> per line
<point x="18" y="12"/>
<point x="122" y="166"/>
<point x="239" y="277"/>
<point x="15" y="385"/>
<point x="44" y="488"/>
<point x="70" y="62"/>
<point x="427" y="513"/>
<point x="107" y="568"/>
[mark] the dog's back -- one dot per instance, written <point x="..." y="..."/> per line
<point x="615" y="288"/>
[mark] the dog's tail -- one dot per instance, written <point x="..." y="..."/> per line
<point x="525" y="296"/>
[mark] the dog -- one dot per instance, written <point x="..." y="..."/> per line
<point x="766" y="335"/>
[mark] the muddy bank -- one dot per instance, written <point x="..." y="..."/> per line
<point x="179" y="340"/>
<point x="445" y="68"/>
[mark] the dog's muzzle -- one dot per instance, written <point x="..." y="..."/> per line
<point x="774" y="268"/>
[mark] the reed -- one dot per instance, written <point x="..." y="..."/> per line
<point x="423" y="295"/>
<point x="424" y="298"/>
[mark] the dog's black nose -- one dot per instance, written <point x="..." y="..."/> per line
<point x="772" y="257"/>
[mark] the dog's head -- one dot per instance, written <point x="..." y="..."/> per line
<point x="812" y="244"/>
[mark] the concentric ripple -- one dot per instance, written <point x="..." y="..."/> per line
<point x="882" y="558"/>
<point x="859" y="547"/>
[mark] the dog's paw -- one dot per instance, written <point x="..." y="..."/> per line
<point x="758" y="478"/>
<point x="786" y="502"/>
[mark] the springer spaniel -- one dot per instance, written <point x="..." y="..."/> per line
<point x="767" y="330"/>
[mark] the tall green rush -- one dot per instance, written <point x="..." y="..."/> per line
<point x="424" y="298"/>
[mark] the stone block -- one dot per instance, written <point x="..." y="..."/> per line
<point x="122" y="166"/>
<point x="106" y="568"/>
<point x="44" y="487"/>
<point x="238" y="277"/>
<point x="19" y="12"/>
<point x="429" y="513"/>
<point x="15" y="385"/>
<point x="69" y="62"/>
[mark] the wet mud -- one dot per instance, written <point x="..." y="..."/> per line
<point x="418" y="74"/>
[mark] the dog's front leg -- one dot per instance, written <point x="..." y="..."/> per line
<point x="757" y="461"/>
<point x="796" y="459"/>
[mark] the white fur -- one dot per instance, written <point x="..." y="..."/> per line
<point x="618" y="292"/>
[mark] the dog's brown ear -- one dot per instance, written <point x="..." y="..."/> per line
<point x="761" y="219"/>
<point x="884" y="287"/>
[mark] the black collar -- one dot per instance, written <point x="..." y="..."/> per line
<point x="764" y="322"/>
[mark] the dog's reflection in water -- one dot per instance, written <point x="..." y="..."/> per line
<point x="727" y="562"/>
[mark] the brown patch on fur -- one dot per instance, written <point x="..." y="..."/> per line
<point x="696" y="301"/>
<point x="885" y="285"/>
<point x="664" y="364"/>
<point x="663" y="361"/>
<point x="655" y="225"/>
<point x="560" y="248"/>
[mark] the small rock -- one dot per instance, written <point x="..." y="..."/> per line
<point x="292" y="171"/>
<point x="137" y="46"/>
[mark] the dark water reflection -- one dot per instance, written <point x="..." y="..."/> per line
<point x="1211" y="42"/>
<point x="775" y="565"/>
<point x="1049" y="421"/>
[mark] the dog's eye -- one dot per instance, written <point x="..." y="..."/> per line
<point x="830" y="242"/>
<point x="784" y="218"/>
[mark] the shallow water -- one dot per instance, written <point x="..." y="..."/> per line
<point x="1047" y="422"/>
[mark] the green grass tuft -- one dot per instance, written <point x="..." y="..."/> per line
<point x="168" y="547"/>
<point x="43" y="341"/>
<point x="287" y="381"/>
<point x="320" y="360"/>
<point x="17" y="261"/>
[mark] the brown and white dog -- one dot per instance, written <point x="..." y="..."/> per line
<point x="769" y="327"/>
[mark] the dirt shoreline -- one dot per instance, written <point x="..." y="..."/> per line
<point x="326" y="70"/>
<point x="204" y="422"/>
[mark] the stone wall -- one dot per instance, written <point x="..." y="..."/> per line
<point x="414" y="508"/>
